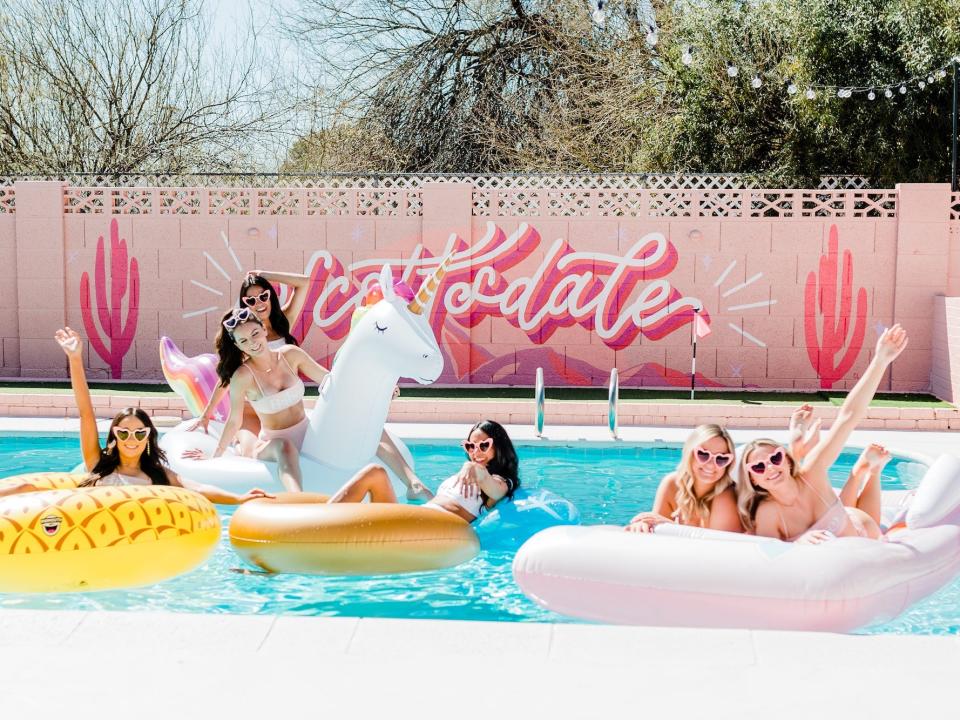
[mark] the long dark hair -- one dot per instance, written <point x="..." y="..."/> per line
<point x="152" y="461"/>
<point x="278" y="321"/>
<point x="504" y="462"/>
<point x="231" y="357"/>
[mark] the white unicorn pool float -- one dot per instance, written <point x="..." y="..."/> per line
<point x="390" y="339"/>
<point x="693" y="577"/>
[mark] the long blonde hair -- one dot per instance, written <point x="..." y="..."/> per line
<point x="688" y="503"/>
<point x="749" y="496"/>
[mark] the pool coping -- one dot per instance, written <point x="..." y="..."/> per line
<point x="361" y="666"/>
<point x="162" y="663"/>
<point x="521" y="412"/>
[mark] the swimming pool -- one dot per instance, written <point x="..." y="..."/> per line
<point x="608" y="483"/>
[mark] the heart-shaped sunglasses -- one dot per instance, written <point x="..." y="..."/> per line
<point x="123" y="433"/>
<point x="760" y="467"/>
<point x="252" y="300"/>
<point x="483" y="445"/>
<point x="721" y="460"/>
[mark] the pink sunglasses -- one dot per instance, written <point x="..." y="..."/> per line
<point x="760" y="467"/>
<point x="721" y="460"/>
<point x="483" y="445"/>
<point x="252" y="300"/>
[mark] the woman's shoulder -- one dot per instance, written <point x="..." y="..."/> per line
<point x="669" y="481"/>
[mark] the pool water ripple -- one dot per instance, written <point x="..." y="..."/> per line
<point x="608" y="485"/>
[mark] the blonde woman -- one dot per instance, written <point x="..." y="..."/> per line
<point x="700" y="491"/>
<point x="782" y="497"/>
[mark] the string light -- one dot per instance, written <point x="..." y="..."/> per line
<point x="757" y="81"/>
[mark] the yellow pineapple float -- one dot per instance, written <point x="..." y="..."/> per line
<point x="64" y="538"/>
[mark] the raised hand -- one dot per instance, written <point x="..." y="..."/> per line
<point x="891" y="343"/>
<point x="804" y="434"/>
<point x="69" y="341"/>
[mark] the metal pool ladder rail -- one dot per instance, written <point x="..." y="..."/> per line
<point x="612" y="399"/>
<point x="538" y="416"/>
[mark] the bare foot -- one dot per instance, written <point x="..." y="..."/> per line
<point x="417" y="491"/>
<point x="875" y="455"/>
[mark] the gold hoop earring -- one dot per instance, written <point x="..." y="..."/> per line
<point x="148" y="448"/>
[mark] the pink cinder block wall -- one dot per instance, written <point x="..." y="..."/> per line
<point x="796" y="285"/>
<point x="945" y="377"/>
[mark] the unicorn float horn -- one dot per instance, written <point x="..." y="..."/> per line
<point x="429" y="287"/>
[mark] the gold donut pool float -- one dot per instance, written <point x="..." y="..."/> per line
<point x="300" y="533"/>
<point x="64" y="538"/>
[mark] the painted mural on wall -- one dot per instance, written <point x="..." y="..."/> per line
<point x="842" y="326"/>
<point x="113" y="337"/>
<point x="538" y="288"/>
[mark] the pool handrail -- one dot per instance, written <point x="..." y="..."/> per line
<point x="539" y="399"/>
<point x="613" y="399"/>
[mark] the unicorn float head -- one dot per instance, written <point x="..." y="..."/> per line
<point x="391" y="338"/>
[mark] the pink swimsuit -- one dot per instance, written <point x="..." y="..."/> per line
<point x="833" y="520"/>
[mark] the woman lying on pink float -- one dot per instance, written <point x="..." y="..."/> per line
<point x="783" y="497"/>
<point x="700" y="491"/>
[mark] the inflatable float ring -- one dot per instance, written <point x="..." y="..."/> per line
<point x="301" y="533"/>
<point x="64" y="538"/>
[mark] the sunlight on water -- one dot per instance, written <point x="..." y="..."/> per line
<point x="608" y="485"/>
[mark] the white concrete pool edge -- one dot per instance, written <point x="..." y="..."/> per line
<point x="104" y="664"/>
<point x="109" y="663"/>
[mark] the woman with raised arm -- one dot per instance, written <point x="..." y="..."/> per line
<point x="700" y="491"/>
<point x="780" y="496"/>
<point x="132" y="455"/>
<point x="258" y="295"/>
<point x="270" y="381"/>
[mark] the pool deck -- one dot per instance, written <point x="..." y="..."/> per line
<point x="118" y="664"/>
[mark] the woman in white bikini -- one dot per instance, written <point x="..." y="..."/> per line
<point x="270" y="381"/>
<point x="777" y="496"/>
<point x="258" y="295"/>
<point x="132" y="455"/>
<point x="489" y="475"/>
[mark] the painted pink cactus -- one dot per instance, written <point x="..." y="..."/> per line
<point x="820" y="299"/>
<point x="118" y="333"/>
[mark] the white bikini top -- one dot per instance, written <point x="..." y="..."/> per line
<point x="115" y="479"/>
<point x="450" y="490"/>
<point x="282" y="399"/>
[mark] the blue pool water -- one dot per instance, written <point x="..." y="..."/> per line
<point x="609" y="484"/>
